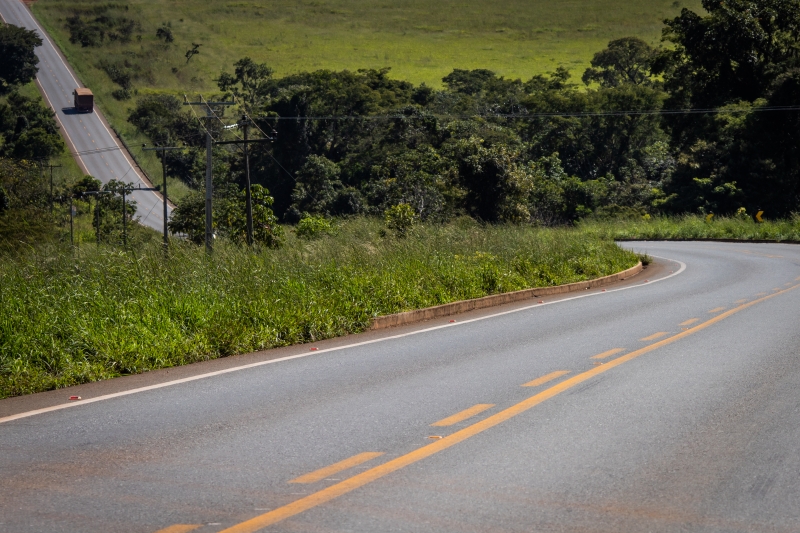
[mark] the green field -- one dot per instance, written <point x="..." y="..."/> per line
<point x="420" y="40"/>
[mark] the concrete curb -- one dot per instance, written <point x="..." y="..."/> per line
<point x="418" y="315"/>
<point x="689" y="239"/>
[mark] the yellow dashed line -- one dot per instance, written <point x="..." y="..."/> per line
<point x="655" y="336"/>
<point x="544" y="379"/>
<point x="463" y="415"/>
<point x="608" y="353"/>
<point x="335" y="468"/>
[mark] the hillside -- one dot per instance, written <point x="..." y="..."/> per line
<point x="420" y="41"/>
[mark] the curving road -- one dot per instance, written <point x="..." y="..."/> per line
<point x="96" y="149"/>
<point x="668" y="403"/>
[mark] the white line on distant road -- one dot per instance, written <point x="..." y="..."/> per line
<point x="337" y="348"/>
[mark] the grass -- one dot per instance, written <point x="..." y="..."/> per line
<point x="421" y="41"/>
<point x="691" y="227"/>
<point x="99" y="312"/>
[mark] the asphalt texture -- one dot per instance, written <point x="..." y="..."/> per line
<point x="88" y="136"/>
<point x="692" y="425"/>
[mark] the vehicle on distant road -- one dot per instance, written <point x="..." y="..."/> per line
<point x="84" y="99"/>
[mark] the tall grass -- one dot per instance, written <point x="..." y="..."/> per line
<point x="690" y="227"/>
<point x="98" y="313"/>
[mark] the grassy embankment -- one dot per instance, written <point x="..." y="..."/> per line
<point x="421" y="41"/>
<point x="690" y="227"/>
<point x="103" y="312"/>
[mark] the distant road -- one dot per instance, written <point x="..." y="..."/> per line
<point x="96" y="147"/>
<point x="669" y="403"/>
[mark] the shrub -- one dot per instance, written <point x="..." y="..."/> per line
<point x="400" y="218"/>
<point x="313" y="226"/>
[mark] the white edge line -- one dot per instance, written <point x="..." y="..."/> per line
<point x="317" y="352"/>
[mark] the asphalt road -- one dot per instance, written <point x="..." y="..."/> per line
<point x="95" y="146"/>
<point x="670" y="403"/>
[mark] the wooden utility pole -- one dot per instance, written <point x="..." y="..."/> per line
<point x="71" y="224"/>
<point x="51" y="167"/>
<point x="163" y="150"/>
<point x="124" y="218"/>
<point x="209" y="185"/>
<point x="248" y="194"/>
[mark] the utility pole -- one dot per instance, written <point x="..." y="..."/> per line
<point x="124" y="217"/>
<point x="97" y="215"/>
<point x="209" y="185"/>
<point x="51" y="167"/>
<point x="71" y="224"/>
<point x="163" y="150"/>
<point x="248" y="195"/>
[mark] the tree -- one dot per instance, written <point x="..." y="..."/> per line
<point x="161" y="116"/>
<point x="733" y="53"/>
<point x="165" y="32"/>
<point x="193" y="51"/>
<point x="5" y="201"/>
<point x="624" y="61"/>
<point x="317" y="186"/>
<point x="18" y="62"/>
<point x="24" y="205"/>
<point x="28" y="129"/>
<point x="86" y="184"/>
<point x="250" y="82"/>
<point x="229" y="217"/>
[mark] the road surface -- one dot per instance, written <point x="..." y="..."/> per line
<point x="95" y="146"/>
<point x="668" y="403"/>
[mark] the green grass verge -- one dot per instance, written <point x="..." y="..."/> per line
<point x="100" y="312"/>
<point x="695" y="227"/>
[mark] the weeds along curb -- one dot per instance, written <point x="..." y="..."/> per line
<point x="409" y="317"/>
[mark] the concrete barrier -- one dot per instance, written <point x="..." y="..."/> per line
<point x="463" y="306"/>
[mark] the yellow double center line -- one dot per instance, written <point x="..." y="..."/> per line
<point x="373" y="474"/>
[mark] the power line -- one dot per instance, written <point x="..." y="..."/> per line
<point x="577" y="114"/>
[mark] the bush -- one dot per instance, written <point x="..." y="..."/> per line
<point x="122" y="94"/>
<point x="312" y="226"/>
<point x="400" y="218"/>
